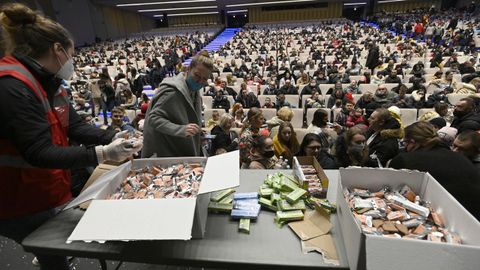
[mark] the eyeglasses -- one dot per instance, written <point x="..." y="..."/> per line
<point x="314" y="147"/>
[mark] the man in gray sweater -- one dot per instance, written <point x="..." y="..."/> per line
<point x="174" y="116"/>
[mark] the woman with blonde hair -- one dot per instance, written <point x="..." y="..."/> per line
<point x="285" y="114"/>
<point x="225" y="139"/>
<point x="285" y="143"/>
<point x="426" y="152"/>
<point x="252" y="127"/>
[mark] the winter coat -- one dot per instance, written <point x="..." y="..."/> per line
<point x="452" y="170"/>
<point x="171" y="109"/>
<point x="470" y="122"/>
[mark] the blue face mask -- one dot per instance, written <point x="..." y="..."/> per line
<point x="192" y="84"/>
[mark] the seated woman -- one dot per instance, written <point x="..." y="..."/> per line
<point x="285" y="143"/>
<point x="426" y="152"/>
<point x="320" y="125"/>
<point x="251" y="128"/>
<point x="238" y="115"/>
<point x="262" y="155"/>
<point x="315" y="101"/>
<point x="317" y="145"/>
<point x="351" y="149"/>
<point x="285" y="114"/>
<point x="214" y="120"/>
<point x="225" y="139"/>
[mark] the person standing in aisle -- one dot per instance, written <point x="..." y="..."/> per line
<point x="38" y="123"/>
<point x="174" y="117"/>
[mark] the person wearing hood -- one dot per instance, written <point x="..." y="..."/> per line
<point x="465" y="117"/>
<point x="426" y="152"/>
<point x="383" y="97"/>
<point x="284" y="114"/>
<point x="382" y="138"/>
<point x="174" y="117"/>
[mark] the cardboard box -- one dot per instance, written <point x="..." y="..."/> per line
<point x="298" y="173"/>
<point x="152" y="219"/>
<point x="377" y="252"/>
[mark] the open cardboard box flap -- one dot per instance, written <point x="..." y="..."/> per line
<point x="149" y="219"/>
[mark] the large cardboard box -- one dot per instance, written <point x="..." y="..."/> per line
<point x="152" y="219"/>
<point x="377" y="252"/>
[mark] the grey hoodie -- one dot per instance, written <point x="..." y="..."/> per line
<point x="171" y="109"/>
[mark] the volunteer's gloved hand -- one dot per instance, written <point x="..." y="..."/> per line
<point x="127" y="134"/>
<point x="120" y="135"/>
<point x="119" y="150"/>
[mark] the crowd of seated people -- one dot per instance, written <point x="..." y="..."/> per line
<point x="344" y="92"/>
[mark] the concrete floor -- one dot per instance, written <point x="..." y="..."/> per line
<point x="12" y="257"/>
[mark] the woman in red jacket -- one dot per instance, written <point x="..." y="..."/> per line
<point x="38" y="123"/>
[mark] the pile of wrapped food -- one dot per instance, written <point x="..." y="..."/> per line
<point x="156" y="182"/>
<point x="312" y="183"/>
<point x="398" y="214"/>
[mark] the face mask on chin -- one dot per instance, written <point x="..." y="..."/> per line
<point x="66" y="70"/>
<point x="192" y="84"/>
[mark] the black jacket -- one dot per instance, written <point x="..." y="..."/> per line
<point x="452" y="170"/>
<point x="25" y="124"/>
<point x="385" y="144"/>
<point x="221" y="103"/>
<point x="373" y="58"/>
<point x="470" y="122"/>
<point x="223" y="140"/>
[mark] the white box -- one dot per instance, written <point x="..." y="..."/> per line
<point x="152" y="219"/>
<point x="376" y="252"/>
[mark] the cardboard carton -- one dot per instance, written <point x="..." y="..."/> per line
<point x="152" y="219"/>
<point x="298" y="173"/>
<point x="377" y="252"/>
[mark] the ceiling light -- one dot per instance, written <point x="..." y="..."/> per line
<point x="355" y="4"/>
<point x="161" y="3"/>
<point x="189" y="14"/>
<point x="390" y="1"/>
<point x="238" y="11"/>
<point x="269" y="3"/>
<point x="180" y="8"/>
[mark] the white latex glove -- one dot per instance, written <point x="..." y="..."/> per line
<point x="123" y="134"/>
<point x="119" y="150"/>
<point x="120" y="135"/>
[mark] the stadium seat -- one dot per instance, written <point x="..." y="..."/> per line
<point x="409" y="116"/>
<point x="297" y="121"/>
<point x="207" y="101"/>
